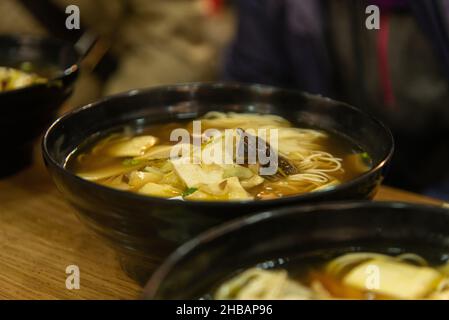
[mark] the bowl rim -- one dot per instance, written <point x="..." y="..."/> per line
<point x="212" y="85"/>
<point x="214" y="233"/>
<point x="35" y="39"/>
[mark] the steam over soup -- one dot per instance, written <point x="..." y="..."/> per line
<point x="351" y="276"/>
<point x="223" y="156"/>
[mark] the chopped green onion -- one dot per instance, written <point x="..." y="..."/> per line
<point x="365" y="156"/>
<point x="189" y="191"/>
<point x="26" y="66"/>
<point x="131" y="162"/>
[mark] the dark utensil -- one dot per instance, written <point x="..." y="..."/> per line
<point x="25" y="112"/>
<point x="146" y="229"/>
<point x="201" y="264"/>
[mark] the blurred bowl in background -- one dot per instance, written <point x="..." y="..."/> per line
<point x="25" y="112"/>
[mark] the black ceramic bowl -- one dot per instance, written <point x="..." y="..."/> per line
<point x="26" y="112"/>
<point x="146" y="229"/>
<point x="201" y="264"/>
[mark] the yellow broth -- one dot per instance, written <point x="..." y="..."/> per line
<point x="92" y="156"/>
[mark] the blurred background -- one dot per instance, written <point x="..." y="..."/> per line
<point x="141" y="42"/>
<point x="398" y="72"/>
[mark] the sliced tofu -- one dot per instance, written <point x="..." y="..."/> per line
<point x="235" y="170"/>
<point x="139" y="178"/>
<point x="201" y="196"/>
<point x="252" y="182"/>
<point x="235" y="190"/>
<point x="254" y="284"/>
<point x="164" y="152"/>
<point x="218" y="151"/>
<point x="107" y="171"/>
<point x="160" y="190"/>
<point x="227" y="189"/>
<point x="260" y="284"/>
<point x="194" y="175"/>
<point x="173" y="179"/>
<point x="215" y="190"/>
<point x="133" y="147"/>
<point x="443" y="295"/>
<point x="396" y="279"/>
<point x="116" y="182"/>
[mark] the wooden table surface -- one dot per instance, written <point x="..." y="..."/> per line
<point x="40" y="236"/>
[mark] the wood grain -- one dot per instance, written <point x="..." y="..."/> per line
<point x="40" y="236"/>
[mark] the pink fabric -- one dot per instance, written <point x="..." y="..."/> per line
<point x="214" y="6"/>
<point x="383" y="37"/>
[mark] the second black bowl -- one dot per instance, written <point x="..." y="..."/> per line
<point x="26" y="112"/>
<point x="146" y="229"/>
<point x="280" y="237"/>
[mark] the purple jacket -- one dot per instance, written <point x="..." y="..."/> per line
<point x="281" y="42"/>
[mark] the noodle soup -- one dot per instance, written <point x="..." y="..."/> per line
<point x="306" y="160"/>
<point x="356" y="275"/>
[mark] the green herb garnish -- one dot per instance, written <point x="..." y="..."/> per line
<point x="189" y="191"/>
<point x="26" y="66"/>
<point x="365" y="156"/>
<point x="131" y="162"/>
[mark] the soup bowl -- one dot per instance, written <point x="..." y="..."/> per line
<point x="146" y="229"/>
<point x="276" y="238"/>
<point x="27" y="111"/>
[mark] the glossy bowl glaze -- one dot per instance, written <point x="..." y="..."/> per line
<point x="200" y="265"/>
<point x="146" y="229"/>
<point x="26" y="112"/>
